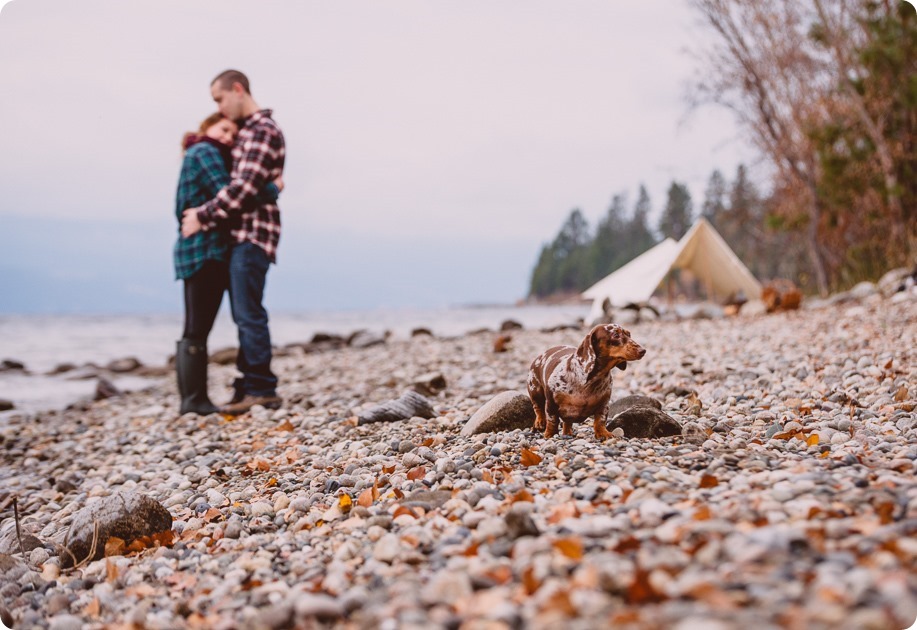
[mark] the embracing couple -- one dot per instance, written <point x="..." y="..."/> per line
<point x="230" y="226"/>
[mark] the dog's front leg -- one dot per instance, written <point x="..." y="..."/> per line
<point x="567" y="431"/>
<point x="552" y="420"/>
<point x="601" y="430"/>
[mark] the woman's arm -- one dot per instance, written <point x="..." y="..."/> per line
<point x="214" y="176"/>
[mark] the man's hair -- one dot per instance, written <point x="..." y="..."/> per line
<point x="228" y="77"/>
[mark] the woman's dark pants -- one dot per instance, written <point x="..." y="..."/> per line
<point x="203" y="295"/>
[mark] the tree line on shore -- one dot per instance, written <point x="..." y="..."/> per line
<point x="827" y="93"/>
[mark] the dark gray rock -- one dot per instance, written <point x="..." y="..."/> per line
<point x="628" y="402"/>
<point x="504" y="412"/>
<point x="122" y="366"/>
<point x="106" y="389"/>
<point x="645" y="422"/>
<point x="520" y="524"/>
<point x="417" y="332"/>
<point x="410" y="405"/>
<point x="6" y="405"/>
<point x="62" y="368"/>
<point x="366" y="339"/>
<point x="510" y="324"/>
<point x="126" y="515"/>
<point x="11" y="365"/>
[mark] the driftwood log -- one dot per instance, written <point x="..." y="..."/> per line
<point x="410" y="405"/>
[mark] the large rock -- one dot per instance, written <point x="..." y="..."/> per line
<point x="504" y="412"/>
<point x="644" y="422"/>
<point x="125" y="515"/>
<point x="628" y="402"/>
<point x="6" y="405"/>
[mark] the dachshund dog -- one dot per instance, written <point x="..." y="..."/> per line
<point x="571" y="384"/>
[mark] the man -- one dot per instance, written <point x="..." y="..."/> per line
<point x="258" y="158"/>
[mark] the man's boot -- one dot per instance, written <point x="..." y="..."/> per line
<point x="191" y="372"/>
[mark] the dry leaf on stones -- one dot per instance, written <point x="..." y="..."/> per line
<point x="529" y="458"/>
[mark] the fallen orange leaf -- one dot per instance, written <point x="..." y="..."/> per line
<point x="366" y="498"/>
<point x="560" y="602"/>
<point x="571" y="547"/>
<point x="522" y="496"/>
<point x="709" y="481"/>
<point x="641" y="591"/>
<point x="529" y="458"/>
<point x="529" y="582"/>
<point x="402" y="509"/>
<point x="418" y="472"/>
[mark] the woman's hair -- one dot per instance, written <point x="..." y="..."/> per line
<point x="208" y="122"/>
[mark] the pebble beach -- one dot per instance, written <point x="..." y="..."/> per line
<point x="789" y="500"/>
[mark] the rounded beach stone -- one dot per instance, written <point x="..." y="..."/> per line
<point x="126" y="515"/>
<point x="628" y="402"/>
<point x="645" y="422"/>
<point x="504" y="412"/>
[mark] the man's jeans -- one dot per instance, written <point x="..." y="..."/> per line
<point x="248" y="265"/>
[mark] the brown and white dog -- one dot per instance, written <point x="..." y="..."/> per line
<point x="571" y="384"/>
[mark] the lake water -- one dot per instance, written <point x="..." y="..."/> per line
<point x="42" y="342"/>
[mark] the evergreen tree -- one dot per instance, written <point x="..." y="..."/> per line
<point x="639" y="236"/>
<point x="715" y="199"/>
<point x="744" y="229"/>
<point x="542" y="284"/>
<point x="610" y="239"/>
<point x="676" y="218"/>
<point x="571" y="252"/>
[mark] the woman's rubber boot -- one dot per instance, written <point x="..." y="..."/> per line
<point x="191" y="373"/>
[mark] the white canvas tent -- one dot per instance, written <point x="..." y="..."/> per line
<point x="701" y="251"/>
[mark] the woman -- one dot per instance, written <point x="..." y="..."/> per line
<point x="202" y="259"/>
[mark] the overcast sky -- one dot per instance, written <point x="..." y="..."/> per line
<point x="432" y="146"/>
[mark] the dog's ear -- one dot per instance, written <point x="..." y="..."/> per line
<point x="586" y="352"/>
<point x="622" y="365"/>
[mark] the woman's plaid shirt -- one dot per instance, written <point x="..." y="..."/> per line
<point x="203" y="174"/>
<point x="258" y="157"/>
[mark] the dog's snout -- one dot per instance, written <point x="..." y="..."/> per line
<point x="642" y="352"/>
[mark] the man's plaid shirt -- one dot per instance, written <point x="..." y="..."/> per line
<point x="203" y="175"/>
<point x="258" y="157"/>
